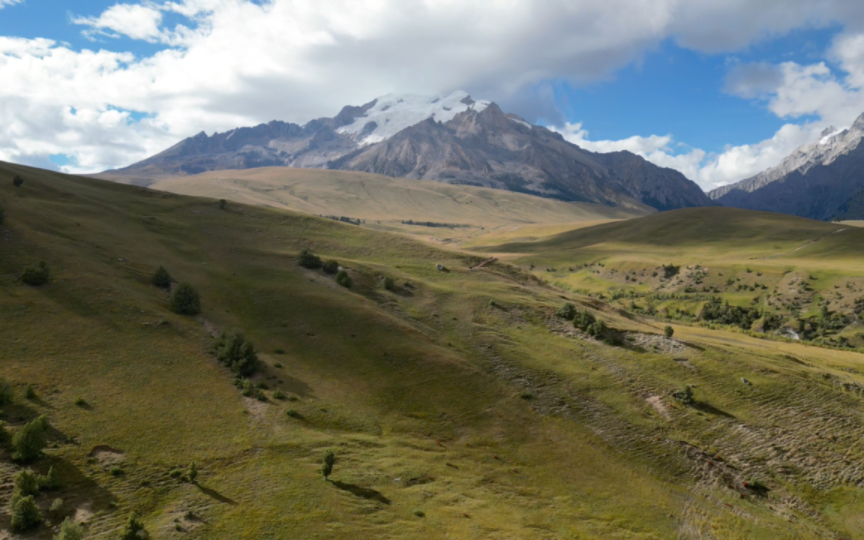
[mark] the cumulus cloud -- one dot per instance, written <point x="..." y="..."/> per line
<point x="241" y="62"/>
<point x="4" y="3"/>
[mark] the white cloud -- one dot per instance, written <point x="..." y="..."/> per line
<point x="4" y="3"/>
<point x="238" y="62"/>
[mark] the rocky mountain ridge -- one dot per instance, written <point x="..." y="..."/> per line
<point x="452" y="139"/>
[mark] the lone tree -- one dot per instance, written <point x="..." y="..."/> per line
<point x="309" y="260"/>
<point x="134" y="529"/>
<point x="389" y="283"/>
<point x="17" y="181"/>
<point x="26" y="483"/>
<point x="69" y="530"/>
<point x="668" y="331"/>
<point x="223" y="204"/>
<point x="36" y="276"/>
<point x="329" y="460"/>
<point x="235" y="351"/>
<point x="567" y="311"/>
<point x="28" y="443"/>
<point x="161" y="278"/>
<point x="25" y="513"/>
<point x="185" y="300"/>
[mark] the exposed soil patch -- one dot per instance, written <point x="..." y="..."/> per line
<point x="657" y="402"/>
<point x="657" y="343"/>
<point x="107" y="455"/>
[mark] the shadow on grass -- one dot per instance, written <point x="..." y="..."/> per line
<point x="213" y="494"/>
<point x="710" y="409"/>
<point x="366" y="493"/>
<point x="293" y="386"/>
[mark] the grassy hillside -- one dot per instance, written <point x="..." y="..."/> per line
<point x="384" y="203"/>
<point x="457" y="404"/>
<point x="801" y="276"/>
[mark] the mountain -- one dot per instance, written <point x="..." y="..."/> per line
<point x="821" y="180"/>
<point x="452" y="139"/>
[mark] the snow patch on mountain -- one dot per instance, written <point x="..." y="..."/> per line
<point x="394" y="112"/>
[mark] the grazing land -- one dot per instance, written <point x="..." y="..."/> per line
<point x="459" y="400"/>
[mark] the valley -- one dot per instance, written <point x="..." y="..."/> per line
<point x="456" y="399"/>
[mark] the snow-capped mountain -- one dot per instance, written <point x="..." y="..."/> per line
<point x="451" y="138"/>
<point x="816" y="180"/>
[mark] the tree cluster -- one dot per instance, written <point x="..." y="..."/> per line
<point x="236" y="352"/>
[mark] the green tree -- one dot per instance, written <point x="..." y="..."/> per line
<point x="342" y="278"/>
<point x="17" y="181"/>
<point x="69" y="530"/>
<point x="29" y="441"/>
<point x="185" y="300"/>
<point x="49" y="481"/>
<point x="330" y="267"/>
<point x="307" y="259"/>
<point x="567" y="311"/>
<point x="25" y="513"/>
<point x="161" y="278"/>
<point x="235" y="351"/>
<point x="134" y="529"/>
<point x="389" y="283"/>
<point x="669" y="331"/>
<point x="36" y="276"/>
<point x="223" y="204"/>
<point x="26" y="483"/>
<point x="329" y="461"/>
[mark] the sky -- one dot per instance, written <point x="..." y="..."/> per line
<point x="718" y="89"/>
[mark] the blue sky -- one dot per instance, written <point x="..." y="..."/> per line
<point x="718" y="90"/>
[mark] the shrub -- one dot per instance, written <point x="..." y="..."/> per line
<point x="161" y="278"/>
<point x="342" y="278"/>
<point x="28" y="443"/>
<point x="25" y="513"/>
<point x="35" y="276"/>
<point x="419" y="513"/>
<point x="134" y="529"/>
<point x="293" y="413"/>
<point x="223" y="204"/>
<point x="583" y="320"/>
<point x="191" y="473"/>
<point x="116" y="471"/>
<point x="69" y="530"/>
<point x="6" y="392"/>
<point x="330" y="267"/>
<point x="56" y="506"/>
<point x="17" y="181"/>
<point x="668" y="331"/>
<point x="236" y="352"/>
<point x="185" y="300"/>
<point x="49" y="481"/>
<point x="329" y="461"/>
<point x="29" y="393"/>
<point x="567" y="311"/>
<point x="26" y="483"/>
<point x="278" y="394"/>
<point x="307" y="259"/>
<point x="80" y="402"/>
<point x="389" y="283"/>
<point x="684" y="395"/>
<point x="670" y="270"/>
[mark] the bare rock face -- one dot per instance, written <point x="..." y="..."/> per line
<point x="452" y="139"/>
<point x="821" y="180"/>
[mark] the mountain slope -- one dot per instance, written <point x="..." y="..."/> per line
<point x="815" y="181"/>
<point x="453" y="139"/>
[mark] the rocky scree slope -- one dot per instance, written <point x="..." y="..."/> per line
<point x="452" y="139"/>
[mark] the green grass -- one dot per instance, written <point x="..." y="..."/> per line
<point x="418" y="391"/>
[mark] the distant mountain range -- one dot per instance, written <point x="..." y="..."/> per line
<point x="823" y="180"/>
<point x="452" y="139"/>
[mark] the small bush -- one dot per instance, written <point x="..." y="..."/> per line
<point x="26" y="483"/>
<point x="419" y="513"/>
<point x="80" y="402"/>
<point x="307" y="259"/>
<point x="69" y="530"/>
<point x="567" y="311"/>
<point x="342" y="278"/>
<point x="668" y="331"/>
<point x="161" y="278"/>
<point x="277" y="365"/>
<point x="330" y="267"/>
<point x="293" y="413"/>
<point x="116" y="471"/>
<point x="36" y="277"/>
<point x="223" y="204"/>
<point x="236" y="352"/>
<point x="389" y="283"/>
<point x="49" y="481"/>
<point x="185" y="300"/>
<point x="278" y="394"/>
<point x="191" y="473"/>
<point x="17" y="181"/>
<point x="329" y="461"/>
<point x="25" y="513"/>
<point x="29" y="441"/>
<point x="134" y="529"/>
<point x="56" y="506"/>
<point x="684" y="395"/>
<point x="583" y="320"/>
<point x="29" y="393"/>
